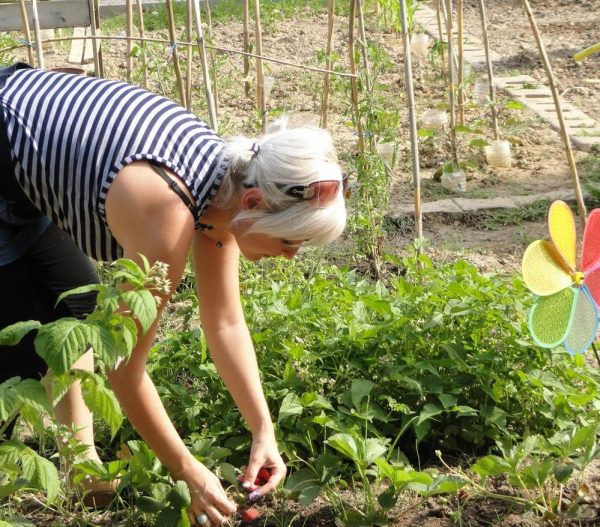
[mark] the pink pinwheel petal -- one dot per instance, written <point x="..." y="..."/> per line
<point x="590" y="254"/>
<point x="592" y="282"/>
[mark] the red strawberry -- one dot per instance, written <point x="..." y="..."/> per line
<point x="262" y="477"/>
<point x="250" y="514"/>
<point x="463" y="495"/>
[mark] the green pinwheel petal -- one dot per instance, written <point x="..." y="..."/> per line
<point x="551" y="317"/>
<point x="585" y="323"/>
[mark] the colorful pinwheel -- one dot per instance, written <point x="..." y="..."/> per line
<point x="566" y="312"/>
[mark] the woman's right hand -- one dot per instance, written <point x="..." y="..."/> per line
<point x="208" y="495"/>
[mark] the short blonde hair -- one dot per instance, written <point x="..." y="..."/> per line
<point x="286" y="157"/>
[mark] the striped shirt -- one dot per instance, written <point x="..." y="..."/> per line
<point x="70" y="136"/>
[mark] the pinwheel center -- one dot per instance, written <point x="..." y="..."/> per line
<point x="577" y="278"/>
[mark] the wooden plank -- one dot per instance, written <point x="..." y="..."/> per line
<point x="76" y="53"/>
<point x="52" y="15"/>
<point x="88" y="52"/>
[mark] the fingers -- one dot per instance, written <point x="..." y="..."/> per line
<point x="277" y="474"/>
<point x="250" y="476"/>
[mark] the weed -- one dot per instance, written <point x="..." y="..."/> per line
<point x="494" y="220"/>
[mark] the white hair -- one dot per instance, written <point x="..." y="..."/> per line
<point x="286" y="157"/>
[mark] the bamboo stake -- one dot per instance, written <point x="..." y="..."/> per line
<point x="201" y="47"/>
<point x="441" y="34"/>
<point x="326" y="77"/>
<point x="26" y="30"/>
<point x="363" y="41"/>
<point x="96" y="50"/>
<point x="377" y="7"/>
<point x="36" y="32"/>
<point x="451" y="80"/>
<point x="260" y="79"/>
<point x="354" y="82"/>
<point x="189" y="53"/>
<point x="412" y="119"/>
<point x="563" y="128"/>
<point x="129" y="30"/>
<point x="246" y="47"/>
<point x="212" y="57"/>
<point x="461" y="89"/>
<point x="490" y="70"/>
<point x="140" y="15"/>
<point x="169" y="6"/>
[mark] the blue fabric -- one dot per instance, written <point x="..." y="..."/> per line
<point x="17" y="234"/>
<point x="18" y="230"/>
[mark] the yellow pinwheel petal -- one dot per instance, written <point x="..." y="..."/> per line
<point x="544" y="271"/>
<point x="562" y="232"/>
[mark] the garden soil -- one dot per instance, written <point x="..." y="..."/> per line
<point x="539" y="164"/>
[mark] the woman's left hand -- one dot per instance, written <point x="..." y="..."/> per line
<point x="264" y="454"/>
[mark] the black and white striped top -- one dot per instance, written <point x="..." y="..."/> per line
<point x="71" y="135"/>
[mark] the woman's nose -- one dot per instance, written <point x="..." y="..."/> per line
<point x="289" y="252"/>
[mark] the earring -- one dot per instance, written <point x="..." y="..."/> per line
<point x="219" y="245"/>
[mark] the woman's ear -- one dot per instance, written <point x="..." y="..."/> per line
<point x="252" y="199"/>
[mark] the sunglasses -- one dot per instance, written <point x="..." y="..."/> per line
<point x="322" y="191"/>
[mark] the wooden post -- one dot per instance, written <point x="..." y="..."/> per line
<point x="129" y="32"/>
<point x="490" y="70"/>
<point x="27" y="31"/>
<point x="363" y="39"/>
<point x="98" y="66"/>
<point x="441" y="33"/>
<point x="412" y="120"/>
<point x="563" y="128"/>
<point x="205" y="73"/>
<point x="451" y="83"/>
<point x="38" y="37"/>
<point x="189" y="24"/>
<point x="212" y="56"/>
<point x="354" y="81"/>
<point x="260" y="79"/>
<point x="326" y="76"/>
<point x="246" y="48"/>
<point x="140" y="15"/>
<point x="169" y="6"/>
<point x="461" y="79"/>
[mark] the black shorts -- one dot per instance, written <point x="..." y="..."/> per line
<point x="30" y="287"/>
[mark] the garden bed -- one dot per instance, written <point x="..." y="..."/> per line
<point x="492" y="241"/>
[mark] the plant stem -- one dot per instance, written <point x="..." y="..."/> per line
<point x="451" y="81"/>
<point x="10" y="418"/>
<point x="596" y="353"/>
<point x="326" y="77"/>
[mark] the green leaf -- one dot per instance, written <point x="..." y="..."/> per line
<point x="422" y="132"/>
<point x="443" y="485"/>
<point x="33" y="393"/>
<point x="466" y="129"/>
<point x="13" y="334"/>
<point x="515" y="105"/>
<point x="149" y="505"/>
<point x="303" y="486"/>
<point x="143" y="307"/>
<point x="179" y="497"/>
<point x="479" y="143"/>
<point x="387" y="499"/>
<point x="360" y="389"/>
<point x="102" y="401"/>
<point x="168" y="517"/>
<point x="11" y="451"/>
<point x="8" y="397"/>
<point x="328" y="466"/>
<point x="562" y="473"/>
<point x="429" y="411"/>
<point x="491" y="466"/>
<point x="228" y="473"/>
<point x="447" y="400"/>
<point x="290" y="406"/>
<point x="80" y="290"/>
<point x="11" y="488"/>
<point x="62" y="342"/>
<point x="18" y="521"/>
<point x="41" y="474"/>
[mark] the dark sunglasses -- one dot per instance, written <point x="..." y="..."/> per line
<point x="323" y="191"/>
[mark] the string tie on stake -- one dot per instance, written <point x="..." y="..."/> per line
<point x="26" y="42"/>
<point x="364" y="134"/>
<point x="172" y="47"/>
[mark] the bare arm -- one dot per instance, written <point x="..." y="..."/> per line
<point x="147" y="218"/>
<point x="231" y="346"/>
